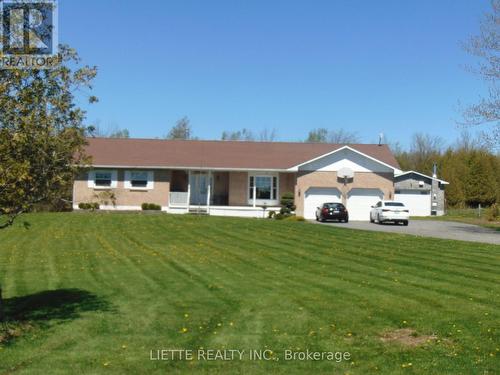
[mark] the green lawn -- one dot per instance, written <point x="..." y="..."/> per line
<point x="95" y="293"/>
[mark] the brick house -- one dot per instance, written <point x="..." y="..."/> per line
<point x="234" y="178"/>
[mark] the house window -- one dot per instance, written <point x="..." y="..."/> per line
<point x="140" y="180"/>
<point x="102" y="179"/>
<point x="265" y="187"/>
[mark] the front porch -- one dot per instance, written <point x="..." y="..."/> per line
<point x="208" y="192"/>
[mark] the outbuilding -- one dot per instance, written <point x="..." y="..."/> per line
<point x="422" y="194"/>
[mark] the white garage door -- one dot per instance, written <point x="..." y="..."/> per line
<point x="417" y="203"/>
<point x="359" y="202"/>
<point x="315" y="197"/>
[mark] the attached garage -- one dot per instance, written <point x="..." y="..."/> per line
<point x="360" y="200"/>
<point x="315" y="197"/>
<point x="418" y="202"/>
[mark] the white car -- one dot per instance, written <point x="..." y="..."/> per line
<point x="389" y="211"/>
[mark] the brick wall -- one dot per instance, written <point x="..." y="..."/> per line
<point x="306" y="180"/>
<point x="238" y="186"/>
<point x="126" y="197"/>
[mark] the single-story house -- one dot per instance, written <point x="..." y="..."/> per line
<point x="235" y="178"/>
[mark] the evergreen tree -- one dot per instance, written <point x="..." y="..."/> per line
<point x="481" y="182"/>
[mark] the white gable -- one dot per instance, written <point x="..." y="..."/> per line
<point x="345" y="158"/>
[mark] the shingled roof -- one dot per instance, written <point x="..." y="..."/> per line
<point x="129" y="152"/>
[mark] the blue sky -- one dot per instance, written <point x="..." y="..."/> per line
<point x="366" y="66"/>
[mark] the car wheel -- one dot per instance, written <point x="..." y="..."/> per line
<point x="317" y="219"/>
<point x="322" y="219"/>
<point x="346" y="220"/>
<point x="378" y="219"/>
<point x="405" y="223"/>
<point x="371" y="219"/>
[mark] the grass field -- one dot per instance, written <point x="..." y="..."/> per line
<point x="95" y="293"/>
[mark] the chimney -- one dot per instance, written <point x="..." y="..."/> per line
<point x="434" y="170"/>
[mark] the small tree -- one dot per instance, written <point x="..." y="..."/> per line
<point x="486" y="47"/>
<point x="287" y="203"/>
<point x="267" y="135"/>
<point x="106" y="197"/>
<point x="181" y="130"/>
<point x="240" y="135"/>
<point x="41" y="134"/>
<point x="319" y="135"/>
<point x="341" y="136"/>
<point x="120" y="133"/>
<point x="338" y="136"/>
<point x="96" y="130"/>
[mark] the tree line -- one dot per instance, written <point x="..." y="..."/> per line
<point x="470" y="167"/>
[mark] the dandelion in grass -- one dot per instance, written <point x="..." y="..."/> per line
<point x="184" y="330"/>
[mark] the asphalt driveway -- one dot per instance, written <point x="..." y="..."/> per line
<point x="430" y="228"/>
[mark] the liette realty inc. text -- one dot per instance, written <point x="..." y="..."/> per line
<point x="202" y="354"/>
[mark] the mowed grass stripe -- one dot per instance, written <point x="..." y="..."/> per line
<point x="424" y="282"/>
<point x="401" y="283"/>
<point x="428" y="246"/>
<point x="190" y="275"/>
<point x="362" y="242"/>
<point x="413" y="268"/>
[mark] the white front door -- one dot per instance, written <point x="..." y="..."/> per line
<point x="198" y="182"/>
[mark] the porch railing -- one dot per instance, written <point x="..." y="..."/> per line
<point x="178" y="198"/>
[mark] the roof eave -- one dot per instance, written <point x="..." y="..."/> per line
<point x="423" y="175"/>
<point x="296" y="167"/>
<point x="108" y="166"/>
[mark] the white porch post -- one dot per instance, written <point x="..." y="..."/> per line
<point x="209" y="188"/>
<point x="254" y="193"/>
<point x="189" y="191"/>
